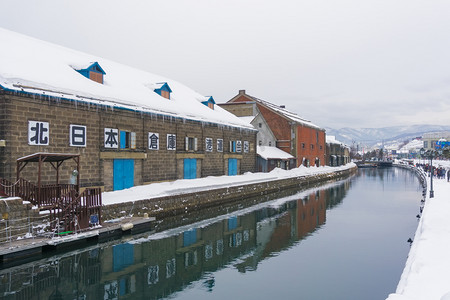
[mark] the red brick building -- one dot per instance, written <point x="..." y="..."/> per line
<point x="299" y="137"/>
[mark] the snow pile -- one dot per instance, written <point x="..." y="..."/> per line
<point x="427" y="271"/>
<point x="44" y="69"/>
<point x="182" y="186"/>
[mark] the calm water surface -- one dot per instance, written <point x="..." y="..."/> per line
<point x="346" y="240"/>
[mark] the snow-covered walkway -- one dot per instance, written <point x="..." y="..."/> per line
<point x="427" y="272"/>
<point x="202" y="184"/>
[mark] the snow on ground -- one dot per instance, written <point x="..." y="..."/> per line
<point x="427" y="272"/>
<point x="181" y="186"/>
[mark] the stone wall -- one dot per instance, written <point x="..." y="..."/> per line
<point x="18" y="217"/>
<point x="96" y="161"/>
<point x="179" y="204"/>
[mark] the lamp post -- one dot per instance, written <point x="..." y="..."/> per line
<point x="431" y="154"/>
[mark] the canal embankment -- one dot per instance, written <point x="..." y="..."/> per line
<point x="427" y="268"/>
<point x="135" y="210"/>
<point x="166" y="199"/>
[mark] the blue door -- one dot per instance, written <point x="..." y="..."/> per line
<point x="190" y="168"/>
<point x="232" y="166"/>
<point x="123" y="174"/>
<point x="123" y="256"/>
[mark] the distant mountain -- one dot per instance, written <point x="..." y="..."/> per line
<point x="373" y="136"/>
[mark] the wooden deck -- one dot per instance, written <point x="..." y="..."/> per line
<point x="69" y="210"/>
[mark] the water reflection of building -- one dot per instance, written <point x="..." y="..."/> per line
<point x="158" y="268"/>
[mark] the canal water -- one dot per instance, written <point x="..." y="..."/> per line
<point x="345" y="240"/>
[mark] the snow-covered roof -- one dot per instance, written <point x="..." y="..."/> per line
<point x="247" y="119"/>
<point x="268" y="152"/>
<point x="34" y="66"/>
<point x="331" y="139"/>
<point x="284" y="112"/>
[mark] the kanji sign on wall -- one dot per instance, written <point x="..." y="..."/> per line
<point x="77" y="135"/>
<point x="153" y="141"/>
<point x="38" y="133"/>
<point x="246" y="146"/>
<point x="209" y="144"/>
<point x="238" y="146"/>
<point x="219" y="145"/>
<point x="111" y="138"/>
<point x="171" y="142"/>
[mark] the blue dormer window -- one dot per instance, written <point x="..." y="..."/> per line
<point x="93" y="72"/>
<point x="209" y="102"/>
<point x="163" y="90"/>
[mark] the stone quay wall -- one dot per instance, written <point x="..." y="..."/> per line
<point x="178" y="204"/>
<point x="16" y="218"/>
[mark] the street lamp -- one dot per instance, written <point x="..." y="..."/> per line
<point x="431" y="154"/>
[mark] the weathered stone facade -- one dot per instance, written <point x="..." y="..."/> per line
<point x="97" y="162"/>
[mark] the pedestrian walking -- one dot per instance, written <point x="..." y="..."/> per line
<point x="448" y="175"/>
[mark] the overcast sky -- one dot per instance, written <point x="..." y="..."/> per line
<point x="337" y="63"/>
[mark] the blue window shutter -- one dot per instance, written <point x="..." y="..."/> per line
<point x="123" y="137"/>
<point x="189" y="237"/>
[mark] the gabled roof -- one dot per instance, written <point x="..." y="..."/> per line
<point x="162" y="86"/>
<point x="291" y="116"/>
<point x="207" y="100"/>
<point x="93" y="66"/>
<point x="32" y="66"/>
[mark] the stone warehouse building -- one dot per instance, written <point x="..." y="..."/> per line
<point x="129" y="127"/>
<point x="337" y="153"/>
<point x="280" y="128"/>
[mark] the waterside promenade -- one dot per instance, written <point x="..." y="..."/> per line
<point x="427" y="270"/>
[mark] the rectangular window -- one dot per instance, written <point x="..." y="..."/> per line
<point x="233" y="146"/>
<point x="190" y="144"/>
<point x="303" y="145"/>
<point x="312" y="147"/>
<point x="127" y="139"/>
<point x="425" y="144"/>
